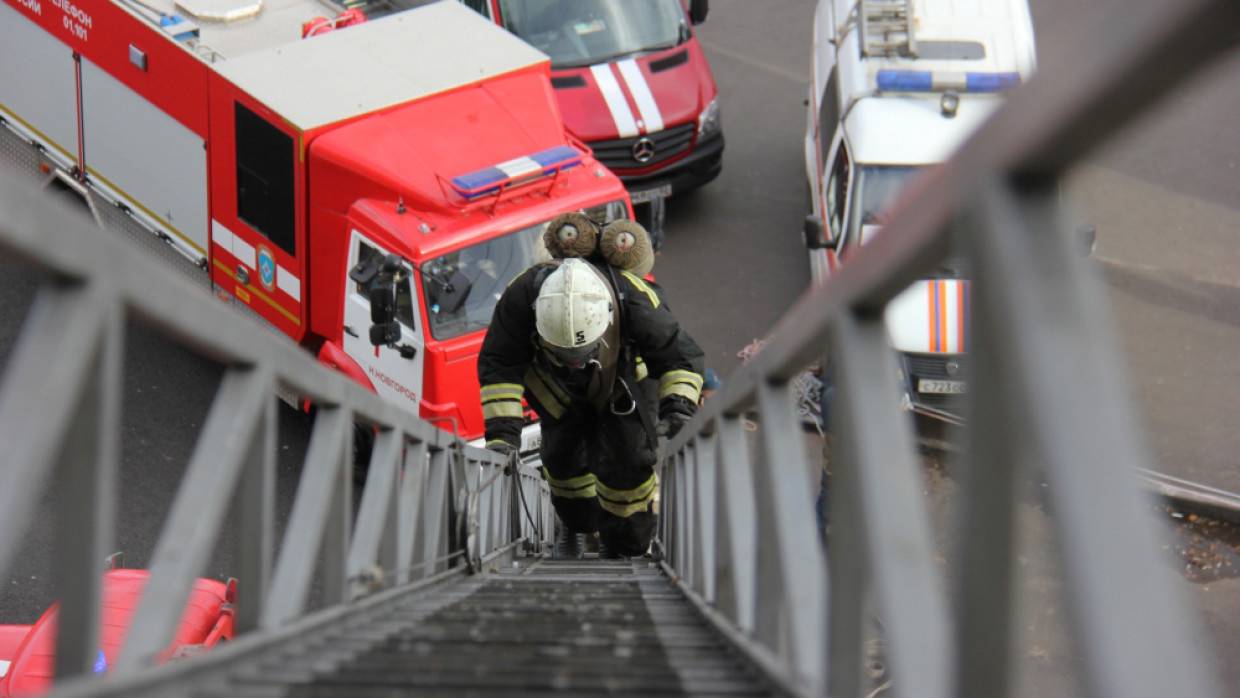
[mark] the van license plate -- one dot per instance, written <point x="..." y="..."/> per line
<point x="942" y="387"/>
<point x="647" y="195"/>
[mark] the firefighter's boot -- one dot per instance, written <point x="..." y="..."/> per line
<point x="569" y="545"/>
<point x="608" y="552"/>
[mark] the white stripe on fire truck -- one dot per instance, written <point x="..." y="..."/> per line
<point x="640" y="89"/>
<point x="626" y="126"/>
<point x="237" y="247"/>
<point x="286" y="281"/>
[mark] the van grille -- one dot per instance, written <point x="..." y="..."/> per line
<point x="668" y="143"/>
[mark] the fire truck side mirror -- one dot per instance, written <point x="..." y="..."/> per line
<point x="382" y="304"/>
<point x="385" y="334"/>
<point x="698" y="10"/>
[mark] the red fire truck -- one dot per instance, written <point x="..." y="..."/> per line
<point x="633" y="82"/>
<point x="28" y="652"/>
<point x="278" y="162"/>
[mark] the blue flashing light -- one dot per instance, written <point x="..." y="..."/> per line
<point x="990" y="82"/>
<point x="905" y="80"/>
<point x="101" y="664"/>
<point x="941" y="81"/>
<point x="488" y="180"/>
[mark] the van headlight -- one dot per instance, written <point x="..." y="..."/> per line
<point x="708" y="121"/>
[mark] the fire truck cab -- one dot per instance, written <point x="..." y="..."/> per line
<point x="279" y="163"/>
<point x="897" y="86"/>
<point x="633" y="83"/>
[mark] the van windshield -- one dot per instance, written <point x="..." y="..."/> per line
<point x="878" y="188"/>
<point x="576" y="33"/>
<point x="462" y="287"/>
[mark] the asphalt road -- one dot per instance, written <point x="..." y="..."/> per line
<point x="1165" y="198"/>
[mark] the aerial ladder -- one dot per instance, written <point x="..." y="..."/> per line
<point x="440" y="584"/>
<point x="887" y="28"/>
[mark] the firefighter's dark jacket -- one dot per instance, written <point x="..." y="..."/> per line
<point x="510" y="362"/>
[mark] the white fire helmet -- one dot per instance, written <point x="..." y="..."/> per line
<point x="574" y="307"/>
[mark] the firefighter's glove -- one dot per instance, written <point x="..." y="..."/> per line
<point x="509" y="452"/>
<point x="674" y="413"/>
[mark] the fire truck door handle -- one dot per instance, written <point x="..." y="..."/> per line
<point x="407" y="351"/>
<point x="351" y="332"/>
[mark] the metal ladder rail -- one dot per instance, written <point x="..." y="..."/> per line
<point x="1036" y="299"/>
<point x="60" y="410"/>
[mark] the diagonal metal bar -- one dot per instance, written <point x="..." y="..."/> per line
<point x="85" y="516"/>
<point x="318" y="493"/>
<point x="48" y="369"/>
<point x="891" y="511"/>
<point x="434" y="529"/>
<point x="1047" y="303"/>
<point x="185" y="545"/>
<point x="791" y="574"/>
<point x="377" y="511"/>
<point x="412" y="484"/>
<point x="737" y="524"/>
<point x="256" y="503"/>
<point x="848" y="566"/>
<point x="687" y="464"/>
<point x="705" y="470"/>
<point x="986" y="541"/>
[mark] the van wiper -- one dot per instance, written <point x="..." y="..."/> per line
<point x="617" y="56"/>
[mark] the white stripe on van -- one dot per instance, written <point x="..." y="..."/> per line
<point x="626" y="126"/>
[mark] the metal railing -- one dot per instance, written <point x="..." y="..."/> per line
<point x="430" y="502"/>
<point x="738" y="528"/>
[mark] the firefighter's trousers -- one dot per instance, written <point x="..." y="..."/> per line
<point x="600" y="466"/>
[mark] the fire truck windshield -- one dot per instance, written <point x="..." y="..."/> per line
<point x="577" y="33"/>
<point x="462" y="287"/>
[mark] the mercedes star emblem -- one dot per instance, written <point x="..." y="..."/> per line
<point x="953" y="367"/>
<point x="643" y="150"/>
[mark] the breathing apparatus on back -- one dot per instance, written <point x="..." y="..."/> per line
<point x="578" y="311"/>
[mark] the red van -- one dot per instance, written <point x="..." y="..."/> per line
<point x="633" y="83"/>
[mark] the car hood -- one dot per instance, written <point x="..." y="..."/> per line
<point x="634" y="96"/>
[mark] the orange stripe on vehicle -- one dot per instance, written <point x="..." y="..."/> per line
<point x="932" y="317"/>
<point x="960" y="311"/>
<point x="941" y="298"/>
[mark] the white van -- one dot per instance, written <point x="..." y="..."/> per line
<point x="897" y="86"/>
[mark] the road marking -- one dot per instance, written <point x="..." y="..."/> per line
<point x="787" y="74"/>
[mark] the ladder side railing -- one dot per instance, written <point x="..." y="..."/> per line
<point x="60" y="416"/>
<point x="996" y="204"/>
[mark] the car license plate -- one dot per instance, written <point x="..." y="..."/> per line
<point x="942" y="387"/>
<point x="647" y="195"/>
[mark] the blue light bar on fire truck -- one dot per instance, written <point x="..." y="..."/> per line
<point x="491" y="179"/>
<point x="943" y="80"/>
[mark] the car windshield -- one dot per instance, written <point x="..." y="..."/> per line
<point x="578" y="33"/>
<point x="463" y="287"/>
<point x="878" y="187"/>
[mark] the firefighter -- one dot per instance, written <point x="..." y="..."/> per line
<point x="577" y="339"/>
